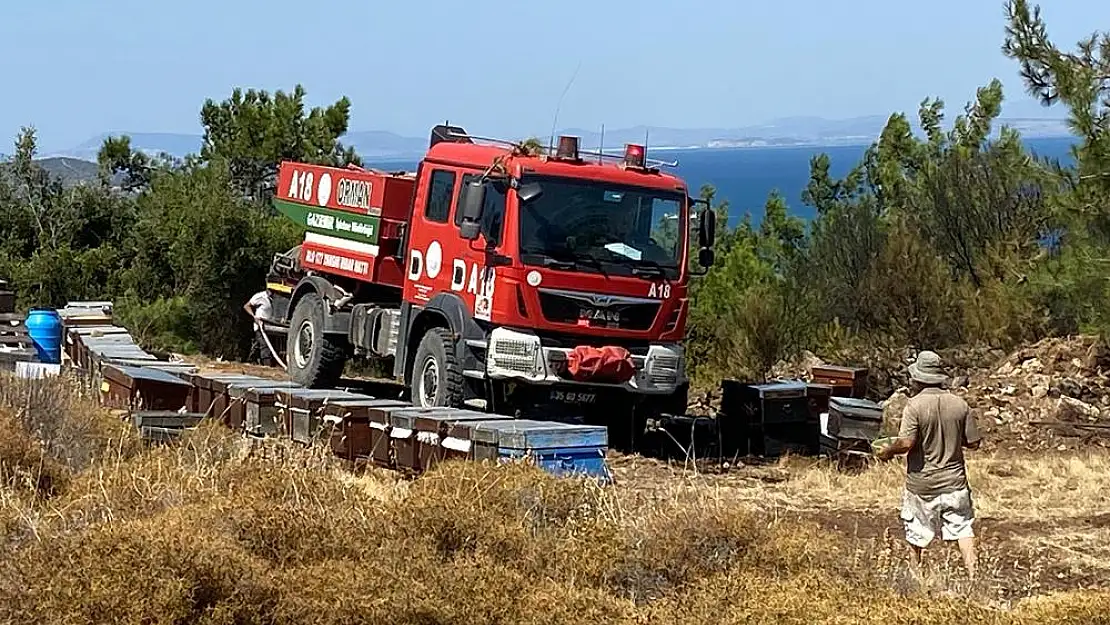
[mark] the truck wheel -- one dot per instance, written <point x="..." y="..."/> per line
<point x="437" y="380"/>
<point x="315" y="360"/>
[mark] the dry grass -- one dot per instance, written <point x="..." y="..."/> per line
<point x="1043" y="519"/>
<point x="216" y="530"/>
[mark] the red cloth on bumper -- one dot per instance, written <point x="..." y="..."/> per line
<point x="600" y="364"/>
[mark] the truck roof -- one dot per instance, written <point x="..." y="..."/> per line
<point x="482" y="156"/>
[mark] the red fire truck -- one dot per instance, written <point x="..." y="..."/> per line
<point x="497" y="276"/>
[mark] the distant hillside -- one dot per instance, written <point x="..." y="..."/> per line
<point x="152" y="143"/>
<point x="377" y="144"/>
<point x="788" y="131"/>
<point x="70" y="171"/>
<point x="370" y="144"/>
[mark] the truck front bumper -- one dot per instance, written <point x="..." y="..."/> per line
<point x="516" y="355"/>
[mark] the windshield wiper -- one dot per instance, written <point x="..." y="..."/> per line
<point x="643" y="267"/>
<point x="555" y="263"/>
<point x="568" y="261"/>
<point x="593" y="262"/>
<point x="648" y="268"/>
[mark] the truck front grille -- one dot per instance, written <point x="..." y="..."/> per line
<point x="598" y="310"/>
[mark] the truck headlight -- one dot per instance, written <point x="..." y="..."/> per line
<point x="515" y="354"/>
<point x="666" y="365"/>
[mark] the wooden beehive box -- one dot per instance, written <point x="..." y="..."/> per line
<point x="846" y="381"/>
<point x="381" y="419"/>
<point x="776" y="402"/>
<point x="351" y="434"/>
<point x="224" y="407"/>
<point x="299" y="410"/>
<point x="211" y="397"/>
<point x="13" y="332"/>
<point x="140" y="388"/>
<point x="432" y="428"/>
<point x="7" y="298"/>
<point x="240" y="404"/>
<point x="78" y="338"/>
<point x="818" y="396"/>
<point x="261" y="414"/>
<point x="78" y="314"/>
<point x="851" y="418"/>
<point x="407" y="441"/>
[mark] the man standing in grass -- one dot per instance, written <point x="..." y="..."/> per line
<point x="261" y="309"/>
<point x="937" y="426"/>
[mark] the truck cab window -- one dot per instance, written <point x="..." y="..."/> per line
<point x="440" y="191"/>
<point x="493" y="209"/>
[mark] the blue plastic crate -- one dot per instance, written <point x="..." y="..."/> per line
<point x="564" y="461"/>
<point x="559" y="448"/>
<point x="530" y="434"/>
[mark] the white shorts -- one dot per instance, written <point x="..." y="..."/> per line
<point x="953" y="512"/>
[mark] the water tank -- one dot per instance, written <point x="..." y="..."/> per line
<point x="44" y="325"/>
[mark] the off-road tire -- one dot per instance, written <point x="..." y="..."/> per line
<point x="437" y="347"/>
<point x="319" y="365"/>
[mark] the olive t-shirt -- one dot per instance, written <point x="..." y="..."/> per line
<point x="942" y="424"/>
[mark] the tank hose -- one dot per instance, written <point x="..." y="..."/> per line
<point x="273" y="352"/>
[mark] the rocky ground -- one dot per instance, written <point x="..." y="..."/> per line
<point x="1054" y="394"/>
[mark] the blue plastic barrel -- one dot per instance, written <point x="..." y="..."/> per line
<point x="44" y="325"/>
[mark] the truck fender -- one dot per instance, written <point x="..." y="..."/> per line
<point x="334" y="322"/>
<point x="443" y="310"/>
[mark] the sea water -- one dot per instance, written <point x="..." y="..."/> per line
<point x="746" y="176"/>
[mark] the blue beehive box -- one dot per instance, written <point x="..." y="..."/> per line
<point x="558" y="448"/>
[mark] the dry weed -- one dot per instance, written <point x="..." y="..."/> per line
<point x="215" y="529"/>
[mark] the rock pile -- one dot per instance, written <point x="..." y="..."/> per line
<point x="1053" y="394"/>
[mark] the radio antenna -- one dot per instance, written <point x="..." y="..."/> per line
<point x="601" y="145"/>
<point x="554" y="122"/>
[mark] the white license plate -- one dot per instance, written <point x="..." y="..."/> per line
<point x="573" y="397"/>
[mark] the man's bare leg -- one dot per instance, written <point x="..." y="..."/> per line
<point x="967" y="550"/>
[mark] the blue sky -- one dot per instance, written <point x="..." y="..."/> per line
<point x="76" y="68"/>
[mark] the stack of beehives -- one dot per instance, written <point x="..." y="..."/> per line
<point x="16" y="348"/>
<point x="7" y="298"/>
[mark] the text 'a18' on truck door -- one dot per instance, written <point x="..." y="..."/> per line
<point x="439" y="260"/>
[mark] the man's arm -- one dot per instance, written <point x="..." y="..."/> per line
<point x="907" y="436"/>
<point x="972" y="438"/>
<point x="253" y="303"/>
<point x="901" y="445"/>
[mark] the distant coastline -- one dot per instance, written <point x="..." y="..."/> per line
<point x="795" y="132"/>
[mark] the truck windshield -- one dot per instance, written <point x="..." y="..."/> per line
<point x="594" y="226"/>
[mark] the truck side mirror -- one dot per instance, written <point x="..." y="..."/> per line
<point x="471" y="203"/>
<point x="707" y="234"/>
<point x="707" y="227"/>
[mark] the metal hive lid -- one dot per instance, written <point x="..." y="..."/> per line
<point x="146" y="373"/>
